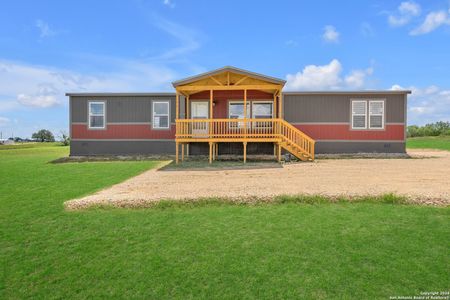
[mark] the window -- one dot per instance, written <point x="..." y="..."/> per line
<point x="376" y="114"/>
<point x="359" y="114"/>
<point x="161" y="119"/>
<point x="236" y="111"/>
<point x="262" y="110"/>
<point x="96" y="115"/>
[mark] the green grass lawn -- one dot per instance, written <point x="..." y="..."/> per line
<point x="320" y="251"/>
<point x="429" y="142"/>
<point x="28" y="145"/>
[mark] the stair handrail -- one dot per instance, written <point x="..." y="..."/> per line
<point x="297" y="138"/>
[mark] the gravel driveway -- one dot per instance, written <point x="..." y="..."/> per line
<point x="425" y="177"/>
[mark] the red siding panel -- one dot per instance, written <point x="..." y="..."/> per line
<point x="221" y="98"/>
<point x="344" y="132"/>
<point x="122" y="131"/>
<point x="318" y="132"/>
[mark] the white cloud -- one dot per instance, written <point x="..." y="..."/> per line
<point x="406" y="12"/>
<point x="330" y="34"/>
<point x="327" y="77"/>
<point x="357" y="78"/>
<point x="397" y="87"/>
<point x="427" y="105"/>
<point x="26" y="85"/>
<point x="42" y="101"/>
<point x="4" y="121"/>
<point x="409" y="8"/>
<point x="432" y="21"/>
<point x="169" y="3"/>
<point x="44" y="29"/>
<point x="291" y="43"/>
<point x="186" y="37"/>
<point x="367" y="30"/>
<point x="42" y="87"/>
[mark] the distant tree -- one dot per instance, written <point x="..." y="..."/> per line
<point x="43" y="135"/>
<point x="64" y="138"/>
<point x="432" y="129"/>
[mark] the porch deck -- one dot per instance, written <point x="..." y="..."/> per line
<point x="213" y="131"/>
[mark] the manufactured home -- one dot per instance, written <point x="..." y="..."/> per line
<point x="234" y="111"/>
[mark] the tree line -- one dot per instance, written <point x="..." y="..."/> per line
<point x="432" y="129"/>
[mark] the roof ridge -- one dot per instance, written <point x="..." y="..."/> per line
<point x="225" y="68"/>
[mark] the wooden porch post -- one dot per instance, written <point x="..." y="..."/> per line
<point x="182" y="151"/>
<point x="210" y="152"/>
<point x="210" y="124"/>
<point x="177" y="109"/>
<point x="176" y="152"/>
<point x="280" y="111"/>
<point x="245" y="117"/>
<point x="210" y="104"/>
<point x="275" y="105"/>
<point x="245" y="152"/>
<point x="177" y="98"/>
<point x="279" y="153"/>
<point x="186" y="116"/>
<point x="187" y="108"/>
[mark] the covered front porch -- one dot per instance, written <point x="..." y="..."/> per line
<point x="233" y="105"/>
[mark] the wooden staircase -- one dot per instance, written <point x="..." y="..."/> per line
<point x="295" y="141"/>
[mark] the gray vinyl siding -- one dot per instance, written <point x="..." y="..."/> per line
<point x="335" y="108"/>
<point x="120" y="109"/>
<point x="84" y="148"/>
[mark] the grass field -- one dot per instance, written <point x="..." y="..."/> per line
<point x="429" y="142"/>
<point x="319" y="251"/>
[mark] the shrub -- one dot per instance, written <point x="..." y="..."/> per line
<point x="64" y="138"/>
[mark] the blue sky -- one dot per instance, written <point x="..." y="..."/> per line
<point x="48" y="48"/>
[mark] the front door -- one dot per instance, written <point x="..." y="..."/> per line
<point x="199" y="110"/>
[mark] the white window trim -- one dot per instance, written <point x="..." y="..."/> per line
<point x="365" y="114"/>
<point x="261" y="102"/>
<point x="90" y="114"/>
<point x="240" y="102"/>
<point x="382" y="114"/>
<point x="239" y="124"/>
<point x="154" y="114"/>
<point x="191" y="109"/>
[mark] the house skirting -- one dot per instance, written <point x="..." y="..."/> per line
<point x="167" y="147"/>
<point x="122" y="147"/>
<point x="329" y="147"/>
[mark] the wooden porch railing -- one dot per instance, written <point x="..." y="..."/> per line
<point x="243" y="130"/>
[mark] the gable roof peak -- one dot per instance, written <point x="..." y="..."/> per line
<point x="228" y="68"/>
